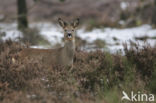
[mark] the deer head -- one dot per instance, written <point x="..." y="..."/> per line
<point x="69" y="29"/>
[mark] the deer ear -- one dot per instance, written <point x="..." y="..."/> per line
<point x="61" y="22"/>
<point x="75" y="23"/>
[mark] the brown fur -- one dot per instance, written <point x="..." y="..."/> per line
<point x="61" y="56"/>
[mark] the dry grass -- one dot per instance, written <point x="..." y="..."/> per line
<point x="97" y="76"/>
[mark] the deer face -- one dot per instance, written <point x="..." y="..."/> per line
<point x="69" y="29"/>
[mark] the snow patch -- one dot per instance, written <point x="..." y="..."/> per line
<point x="112" y="36"/>
<point x="124" y="5"/>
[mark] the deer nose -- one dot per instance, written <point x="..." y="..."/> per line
<point x="69" y="35"/>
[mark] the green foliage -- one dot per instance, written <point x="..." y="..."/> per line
<point x="152" y="84"/>
<point x="113" y="95"/>
<point x="61" y="0"/>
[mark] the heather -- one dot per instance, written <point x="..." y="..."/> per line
<point x="97" y="76"/>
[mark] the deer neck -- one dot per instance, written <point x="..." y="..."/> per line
<point x="69" y="48"/>
<point x="68" y="53"/>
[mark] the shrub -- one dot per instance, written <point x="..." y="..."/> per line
<point x="95" y="77"/>
<point x="143" y="57"/>
<point x="98" y="70"/>
<point x="15" y="75"/>
<point x="152" y="84"/>
<point x="33" y="37"/>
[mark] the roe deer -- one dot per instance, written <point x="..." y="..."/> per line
<point x="61" y="56"/>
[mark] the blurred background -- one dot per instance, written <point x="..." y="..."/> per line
<point x="105" y="24"/>
<point x="115" y="51"/>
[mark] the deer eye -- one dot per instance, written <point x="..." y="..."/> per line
<point x="72" y="30"/>
<point x="65" y="30"/>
